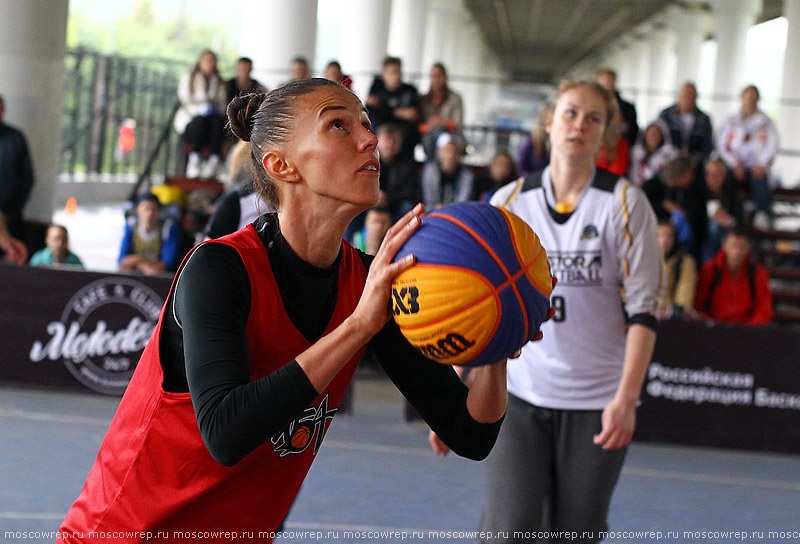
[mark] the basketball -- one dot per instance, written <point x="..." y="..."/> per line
<point x="301" y="436"/>
<point x="480" y="287"/>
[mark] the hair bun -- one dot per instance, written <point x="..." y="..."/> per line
<point x="241" y="112"/>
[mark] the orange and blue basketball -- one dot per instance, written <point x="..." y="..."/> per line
<point x="480" y="287"/>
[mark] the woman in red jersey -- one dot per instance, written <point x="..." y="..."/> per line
<point x="260" y="337"/>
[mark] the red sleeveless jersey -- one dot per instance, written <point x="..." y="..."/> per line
<point x="154" y="479"/>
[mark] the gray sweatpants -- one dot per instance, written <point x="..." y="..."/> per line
<point x="545" y="475"/>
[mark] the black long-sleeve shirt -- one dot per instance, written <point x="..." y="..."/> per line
<point x="204" y="351"/>
<point x="16" y="173"/>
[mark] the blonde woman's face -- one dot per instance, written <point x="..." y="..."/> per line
<point x="578" y="123"/>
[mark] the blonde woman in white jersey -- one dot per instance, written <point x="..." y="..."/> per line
<point x="573" y="396"/>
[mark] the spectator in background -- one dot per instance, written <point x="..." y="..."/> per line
<point x="447" y="180"/>
<point x="630" y="127"/>
<point x="376" y="224"/>
<point x="57" y="251"/>
<point x="500" y="172"/>
<point x="333" y="72"/>
<point x="748" y="141"/>
<point x="390" y="99"/>
<point x="16" y="175"/>
<point x="723" y="206"/>
<point x="442" y="110"/>
<point x="200" y="118"/>
<point x="615" y="153"/>
<point x="150" y="245"/>
<point x="653" y="150"/>
<point x="733" y="287"/>
<point x="677" y="190"/>
<point x="534" y="152"/>
<point x="242" y="204"/>
<point x="243" y="83"/>
<point x="400" y="184"/>
<point x="689" y="128"/>
<point x="299" y="69"/>
<point x="12" y="250"/>
<point x="681" y="272"/>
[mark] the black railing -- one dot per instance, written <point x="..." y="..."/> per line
<point x="103" y="93"/>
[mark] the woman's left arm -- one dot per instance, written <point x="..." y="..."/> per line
<point x="643" y="279"/>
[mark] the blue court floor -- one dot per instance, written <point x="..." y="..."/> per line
<point x="376" y="480"/>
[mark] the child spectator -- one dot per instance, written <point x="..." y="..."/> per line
<point x="500" y="172"/>
<point x="376" y="224"/>
<point x="57" y="251"/>
<point x="653" y="150"/>
<point x="446" y="180"/>
<point x="676" y="190"/>
<point x="733" y="287"/>
<point x="681" y="272"/>
<point x="722" y="205"/>
<point x="150" y="245"/>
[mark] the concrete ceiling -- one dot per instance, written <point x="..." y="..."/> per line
<point x="540" y="40"/>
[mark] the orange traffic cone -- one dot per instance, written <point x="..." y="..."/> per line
<point x="72" y="205"/>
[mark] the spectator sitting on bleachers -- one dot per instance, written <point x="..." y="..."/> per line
<point x="242" y="204"/>
<point x="333" y="72"/>
<point x="377" y="221"/>
<point x="677" y="190"/>
<point x="200" y="118"/>
<point x="390" y="99"/>
<point x="534" y="151"/>
<point x="500" y="172"/>
<point x="748" y="142"/>
<point x="400" y="184"/>
<point x="681" y="272"/>
<point x="150" y="245"/>
<point x="690" y="128"/>
<point x="653" y="150"/>
<point x="299" y="69"/>
<point x="243" y="82"/>
<point x="441" y="110"/>
<point x="733" y="287"/>
<point x="615" y="153"/>
<point x="57" y="251"/>
<point x="608" y="79"/>
<point x="447" y="179"/>
<point x="722" y="205"/>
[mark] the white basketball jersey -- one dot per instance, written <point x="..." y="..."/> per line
<point x="578" y="364"/>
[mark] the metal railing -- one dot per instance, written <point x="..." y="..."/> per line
<point x="103" y="94"/>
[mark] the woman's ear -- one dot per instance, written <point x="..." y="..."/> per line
<point x="279" y="168"/>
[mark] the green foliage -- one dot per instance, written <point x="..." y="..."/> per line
<point x="140" y="34"/>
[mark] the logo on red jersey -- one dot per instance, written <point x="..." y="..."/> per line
<point x="301" y="432"/>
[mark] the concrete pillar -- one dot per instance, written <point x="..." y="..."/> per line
<point x="274" y="32"/>
<point x="640" y="53"/>
<point x="692" y="25"/>
<point x="32" y="50"/>
<point x="407" y="33"/>
<point x="787" y="169"/>
<point x="661" y="66"/>
<point x="734" y="18"/>
<point x="366" y="45"/>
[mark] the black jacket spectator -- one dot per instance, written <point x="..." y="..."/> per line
<point x="16" y="175"/>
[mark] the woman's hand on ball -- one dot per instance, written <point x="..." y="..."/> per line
<point x="372" y="311"/>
